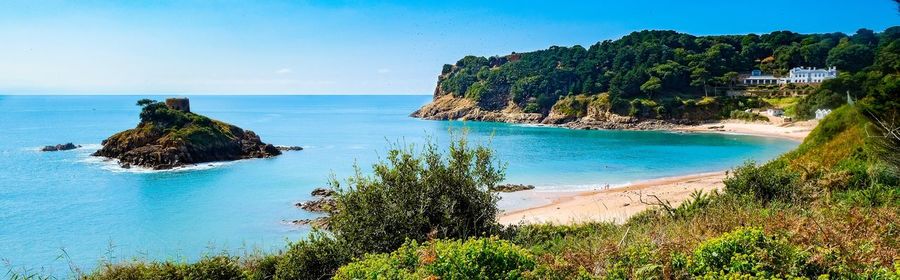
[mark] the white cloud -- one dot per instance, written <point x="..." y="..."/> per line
<point x="383" y="71"/>
<point x="283" y="71"/>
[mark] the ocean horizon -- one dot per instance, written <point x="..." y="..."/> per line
<point x="89" y="209"/>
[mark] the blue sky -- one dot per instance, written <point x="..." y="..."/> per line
<point x="344" y="47"/>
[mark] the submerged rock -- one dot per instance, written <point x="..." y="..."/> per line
<point x="320" y="222"/>
<point x="171" y="136"/>
<point x="60" y="147"/>
<point x="512" y="188"/>
<point x="323" y="204"/>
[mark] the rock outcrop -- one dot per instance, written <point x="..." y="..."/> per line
<point x="322" y="192"/>
<point x="448" y="107"/>
<point x="324" y="203"/>
<point x="168" y="137"/>
<point x="319" y="205"/>
<point x="320" y="222"/>
<point x="289" y="148"/>
<point x="60" y="147"/>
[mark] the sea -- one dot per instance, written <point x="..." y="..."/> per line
<point x="65" y="212"/>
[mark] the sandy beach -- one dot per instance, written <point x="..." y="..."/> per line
<point x="793" y="131"/>
<point x="620" y="203"/>
<point x="614" y="204"/>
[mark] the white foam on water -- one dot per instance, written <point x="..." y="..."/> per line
<point x="533" y="125"/>
<point x="92" y="146"/>
<point x="112" y="165"/>
<point x="578" y="187"/>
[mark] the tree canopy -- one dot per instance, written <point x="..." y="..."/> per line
<point x="656" y="64"/>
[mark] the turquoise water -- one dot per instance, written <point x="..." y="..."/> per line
<point x="84" y="209"/>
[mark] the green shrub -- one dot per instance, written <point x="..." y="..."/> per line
<point x="484" y="258"/>
<point x="261" y="267"/>
<point x="765" y="183"/>
<point x="636" y="262"/>
<point x="413" y="195"/>
<point x="532" y="107"/>
<point x="748" y="252"/>
<point x="643" y="108"/>
<point x="574" y="106"/>
<point x="139" y="271"/>
<point x="551" y="238"/>
<point x="217" y="267"/>
<point x="214" y="267"/>
<point x="877" y="195"/>
<point x="746" y="116"/>
<point x="317" y="257"/>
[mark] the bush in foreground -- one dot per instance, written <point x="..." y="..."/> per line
<point x="485" y="258"/>
<point x="317" y="257"/>
<point x="748" y="252"/>
<point x="214" y="267"/>
<point x="418" y="196"/>
<point x="764" y="183"/>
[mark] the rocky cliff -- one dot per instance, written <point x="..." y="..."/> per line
<point x="582" y="113"/>
<point x="168" y="137"/>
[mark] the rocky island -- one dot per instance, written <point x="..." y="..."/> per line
<point x="169" y="135"/>
<point x="60" y="147"/>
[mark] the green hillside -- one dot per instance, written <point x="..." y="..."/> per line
<point x="664" y="70"/>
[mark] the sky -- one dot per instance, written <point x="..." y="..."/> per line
<point x="345" y="47"/>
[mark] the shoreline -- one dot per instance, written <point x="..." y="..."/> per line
<point x="618" y="204"/>
<point x="615" y="204"/>
<point x="796" y="131"/>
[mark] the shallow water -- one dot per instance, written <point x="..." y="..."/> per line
<point x="83" y="208"/>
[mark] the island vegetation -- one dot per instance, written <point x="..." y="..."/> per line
<point x="171" y="136"/>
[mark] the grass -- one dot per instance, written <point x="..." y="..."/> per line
<point x="788" y="104"/>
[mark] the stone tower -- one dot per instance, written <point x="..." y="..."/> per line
<point x="180" y="104"/>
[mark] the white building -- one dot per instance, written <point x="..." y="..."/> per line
<point x="808" y="75"/>
<point x="821" y="113"/>
<point x="757" y="78"/>
<point x="775" y="112"/>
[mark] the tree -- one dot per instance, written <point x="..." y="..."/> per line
<point x="850" y="57"/>
<point x="418" y="195"/>
<point x="674" y="76"/>
<point x="730" y="78"/>
<point x="720" y="58"/>
<point x="888" y="59"/>
<point x="652" y="86"/>
<point x="814" y="55"/>
<point x="787" y="57"/>
<point x="864" y="37"/>
<point x="144" y="102"/>
<point x="700" y="78"/>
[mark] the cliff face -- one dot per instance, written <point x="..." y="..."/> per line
<point x="447" y="107"/>
<point x="167" y="138"/>
<point x="578" y="112"/>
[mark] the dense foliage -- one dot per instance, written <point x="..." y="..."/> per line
<point x="174" y="127"/>
<point x="486" y="258"/>
<point x="659" y="65"/>
<point x="748" y="252"/>
<point x="413" y="196"/>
